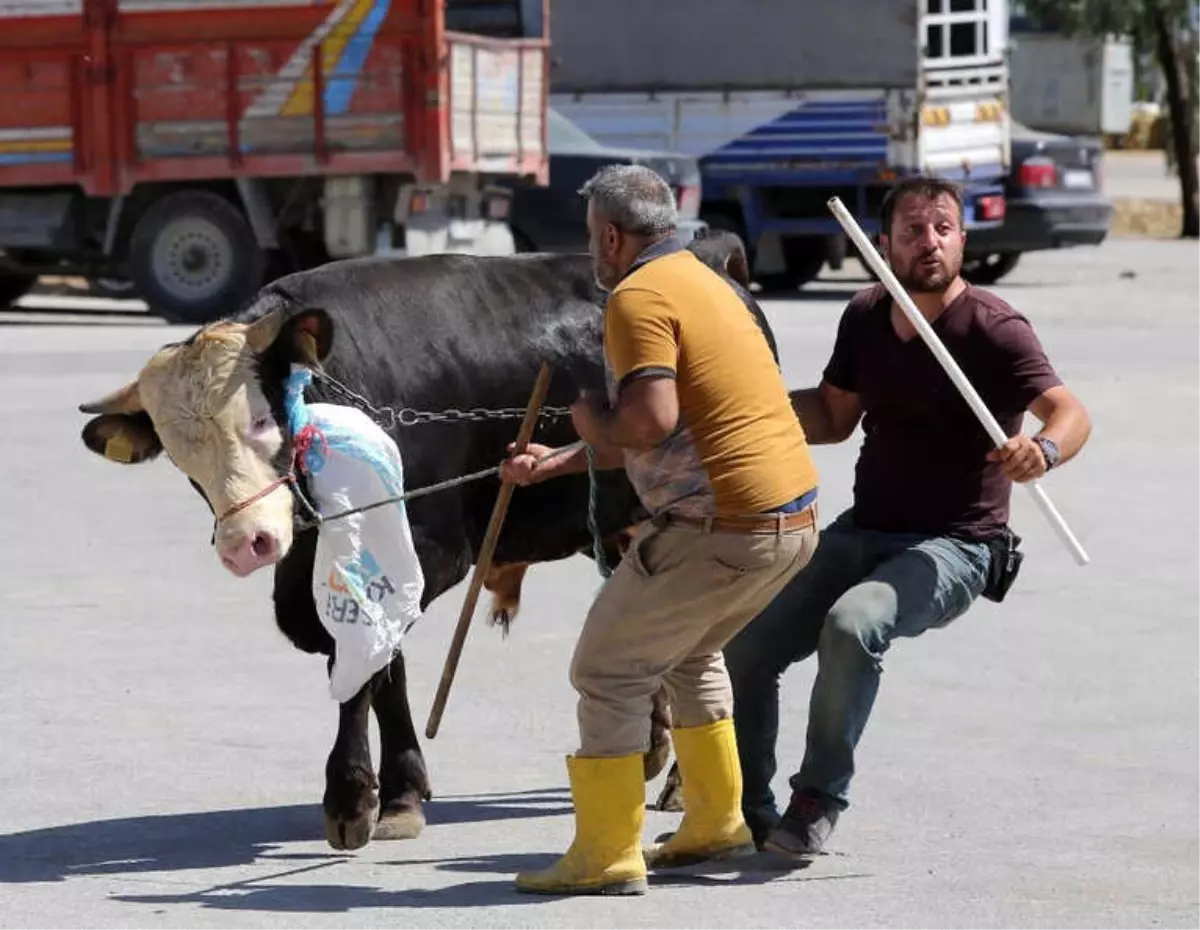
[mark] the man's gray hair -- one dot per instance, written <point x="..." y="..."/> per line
<point x="633" y="198"/>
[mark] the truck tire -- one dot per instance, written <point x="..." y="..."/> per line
<point x="13" y="287"/>
<point x="988" y="269"/>
<point x="803" y="256"/>
<point x="193" y="258"/>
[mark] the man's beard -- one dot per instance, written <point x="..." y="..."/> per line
<point x="605" y="275"/>
<point x="919" y="278"/>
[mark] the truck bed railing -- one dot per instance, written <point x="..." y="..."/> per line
<point x="946" y="83"/>
<point x="195" y="109"/>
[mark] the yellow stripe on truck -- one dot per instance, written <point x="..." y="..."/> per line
<point x="301" y="101"/>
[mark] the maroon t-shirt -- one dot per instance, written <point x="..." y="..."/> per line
<point x="923" y="465"/>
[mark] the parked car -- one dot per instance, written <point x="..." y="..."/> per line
<point x="554" y="218"/>
<point x="1054" y="200"/>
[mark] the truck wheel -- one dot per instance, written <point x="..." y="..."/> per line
<point x="988" y="269"/>
<point x="803" y="256"/>
<point x="193" y="258"/>
<point x="14" y="286"/>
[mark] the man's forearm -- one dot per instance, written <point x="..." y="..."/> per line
<point x="1068" y="427"/>
<point x="814" y="417"/>
<point x="606" y="457"/>
<point x="1065" y="420"/>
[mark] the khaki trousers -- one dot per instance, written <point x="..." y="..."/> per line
<point x="677" y="597"/>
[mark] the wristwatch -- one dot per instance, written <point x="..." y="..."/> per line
<point x="1049" y="451"/>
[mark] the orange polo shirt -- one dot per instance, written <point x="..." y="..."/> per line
<point x="739" y="448"/>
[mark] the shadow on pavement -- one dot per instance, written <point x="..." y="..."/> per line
<point x="219" y="839"/>
<point x="468" y="808"/>
<point x="161" y="843"/>
<point x="255" y="895"/>
<point x="239" y="838"/>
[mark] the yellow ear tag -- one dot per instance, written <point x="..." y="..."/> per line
<point x="308" y="342"/>
<point x="119" y="449"/>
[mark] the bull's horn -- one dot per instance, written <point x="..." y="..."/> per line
<point x="123" y="400"/>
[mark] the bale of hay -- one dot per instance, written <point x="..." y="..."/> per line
<point x="1146" y="219"/>
<point x="1144" y="129"/>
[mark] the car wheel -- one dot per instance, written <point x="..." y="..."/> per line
<point x="14" y="286"/>
<point x="988" y="269"/>
<point x="193" y="258"/>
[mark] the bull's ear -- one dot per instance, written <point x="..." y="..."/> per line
<point x="309" y="335"/>
<point x="737" y="267"/>
<point x="127" y="438"/>
<point x="305" y="337"/>
<point x="122" y="400"/>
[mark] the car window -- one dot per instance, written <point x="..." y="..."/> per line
<point x="563" y="135"/>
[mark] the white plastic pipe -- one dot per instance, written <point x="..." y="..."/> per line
<point x="872" y="257"/>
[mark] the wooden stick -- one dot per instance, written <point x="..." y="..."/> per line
<point x="483" y="563"/>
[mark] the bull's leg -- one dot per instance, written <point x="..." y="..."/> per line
<point x="403" y="780"/>
<point x="655" y="760"/>
<point x="671" y="796"/>
<point x="351" y="801"/>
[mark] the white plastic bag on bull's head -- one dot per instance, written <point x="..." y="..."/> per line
<point x="367" y="580"/>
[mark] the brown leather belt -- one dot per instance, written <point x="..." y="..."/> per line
<point x="759" y="523"/>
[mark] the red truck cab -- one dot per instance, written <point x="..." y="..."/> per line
<point x="201" y="148"/>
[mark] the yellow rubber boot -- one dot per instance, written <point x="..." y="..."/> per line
<point x="606" y="855"/>
<point x="713" y="827"/>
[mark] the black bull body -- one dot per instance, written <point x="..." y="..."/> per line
<point x="445" y="332"/>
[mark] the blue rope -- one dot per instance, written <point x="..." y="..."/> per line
<point x="593" y="493"/>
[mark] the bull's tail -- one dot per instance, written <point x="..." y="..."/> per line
<point x="504" y="583"/>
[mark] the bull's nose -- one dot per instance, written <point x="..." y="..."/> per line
<point x="250" y="553"/>
<point x="264" y="546"/>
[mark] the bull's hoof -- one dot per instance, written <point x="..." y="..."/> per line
<point x="655" y="759"/>
<point x="401" y="821"/>
<point x="348" y="833"/>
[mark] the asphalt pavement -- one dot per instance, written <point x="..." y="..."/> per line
<point x="1034" y="764"/>
<point x="1140" y="175"/>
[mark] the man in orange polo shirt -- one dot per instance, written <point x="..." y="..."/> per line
<point x="699" y="417"/>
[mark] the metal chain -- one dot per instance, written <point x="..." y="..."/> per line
<point x="390" y="417"/>
<point x="316" y="519"/>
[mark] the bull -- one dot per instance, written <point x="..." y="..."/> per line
<point x="435" y="333"/>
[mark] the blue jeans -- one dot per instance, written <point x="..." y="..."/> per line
<point x="861" y="589"/>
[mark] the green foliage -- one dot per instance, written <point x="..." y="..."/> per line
<point x="1107" y="17"/>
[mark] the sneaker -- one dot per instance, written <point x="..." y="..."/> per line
<point x="805" y="826"/>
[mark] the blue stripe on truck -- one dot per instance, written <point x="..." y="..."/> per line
<point x="853" y="131"/>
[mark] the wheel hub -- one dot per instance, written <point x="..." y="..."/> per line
<point x="193" y="259"/>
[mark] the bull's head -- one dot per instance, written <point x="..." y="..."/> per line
<point x="215" y="404"/>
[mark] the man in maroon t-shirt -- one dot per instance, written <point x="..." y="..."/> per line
<point x="931" y="498"/>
